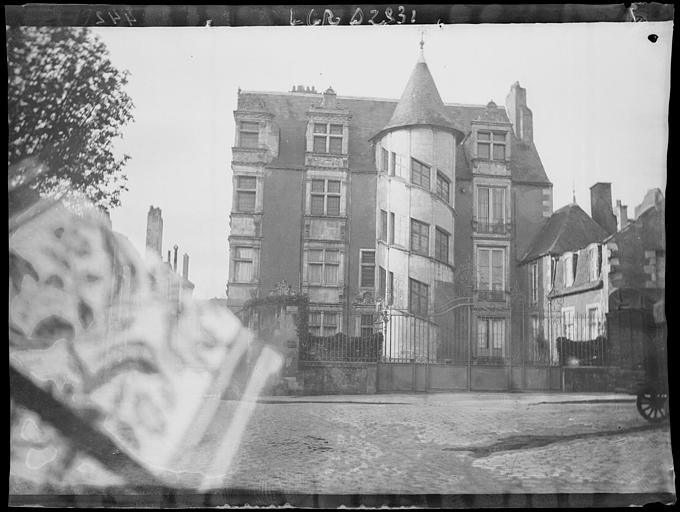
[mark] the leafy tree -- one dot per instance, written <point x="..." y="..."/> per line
<point x="66" y="105"/>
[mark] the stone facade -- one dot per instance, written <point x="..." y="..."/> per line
<point x="363" y="203"/>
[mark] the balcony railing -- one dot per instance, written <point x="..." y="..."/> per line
<point x="491" y="226"/>
<point x="491" y="295"/>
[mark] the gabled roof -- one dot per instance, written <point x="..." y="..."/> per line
<point x="369" y="116"/>
<point x="568" y="229"/>
<point x="420" y="104"/>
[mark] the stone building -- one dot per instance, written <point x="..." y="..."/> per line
<point x="579" y="269"/>
<point x="365" y="203"/>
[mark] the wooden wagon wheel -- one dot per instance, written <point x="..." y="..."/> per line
<point x="653" y="406"/>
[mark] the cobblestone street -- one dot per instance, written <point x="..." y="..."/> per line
<point x="450" y="443"/>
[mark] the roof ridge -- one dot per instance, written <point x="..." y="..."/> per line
<point x="371" y="98"/>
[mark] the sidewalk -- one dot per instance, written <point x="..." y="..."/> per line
<point x="441" y="398"/>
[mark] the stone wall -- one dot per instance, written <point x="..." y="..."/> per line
<point x="601" y="379"/>
<point x="274" y="322"/>
<point x="317" y="378"/>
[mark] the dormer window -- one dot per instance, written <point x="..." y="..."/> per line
<point x="491" y="145"/>
<point x="249" y="134"/>
<point x="328" y="138"/>
<point x="570" y="264"/>
<point x="595" y="262"/>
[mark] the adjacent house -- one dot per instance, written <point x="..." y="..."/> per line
<point x="579" y="269"/>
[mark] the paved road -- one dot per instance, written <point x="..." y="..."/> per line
<point x="449" y="443"/>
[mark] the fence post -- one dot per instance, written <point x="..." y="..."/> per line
<point x="469" y="351"/>
<point x="522" y="348"/>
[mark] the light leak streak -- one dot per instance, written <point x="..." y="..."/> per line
<point x="269" y="363"/>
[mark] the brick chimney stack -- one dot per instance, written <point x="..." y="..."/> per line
<point x="601" y="206"/>
<point x="185" y="266"/>
<point x="519" y="114"/>
<point x="329" y="99"/>
<point x="154" y="232"/>
<point x="621" y="215"/>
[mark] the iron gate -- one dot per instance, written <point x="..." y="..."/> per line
<point x="465" y="347"/>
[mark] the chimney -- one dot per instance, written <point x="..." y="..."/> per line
<point x="601" y="206"/>
<point x="185" y="266"/>
<point x="329" y="99"/>
<point x="174" y="266"/>
<point x="519" y="114"/>
<point x="621" y="215"/>
<point x="154" y="231"/>
<point x="651" y="200"/>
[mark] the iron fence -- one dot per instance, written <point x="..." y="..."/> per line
<point x="470" y="335"/>
<point x="580" y="339"/>
<point x="341" y="347"/>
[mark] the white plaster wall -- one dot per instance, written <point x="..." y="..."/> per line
<point x="396" y="194"/>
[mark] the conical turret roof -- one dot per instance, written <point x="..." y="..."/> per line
<point x="420" y="104"/>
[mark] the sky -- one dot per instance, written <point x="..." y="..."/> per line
<point x="599" y="94"/>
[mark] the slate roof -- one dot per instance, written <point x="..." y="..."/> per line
<point x="420" y="104"/>
<point x="370" y="116"/>
<point x="567" y="229"/>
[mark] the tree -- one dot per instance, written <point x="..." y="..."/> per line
<point x="66" y="105"/>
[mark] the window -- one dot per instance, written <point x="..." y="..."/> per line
<point x="568" y="323"/>
<point x="393" y="163"/>
<point x="245" y="193"/>
<point x="491" y="274"/>
<point x="323" y="265"/>
<point x="660" y="269"/>
<point x="243" y="264"/>
<point x="390" y="290"/>
<point x="595" y="263"/>
<point x="366" y="325"/>
<point x="553" y="270"/>
<point x="249" y="134"/>
<point x="392" y="220"/>
<point x="491" y="210"/>
<point x="536" y="332"/>
<point x="593" y="322"/>
<point x="490" y="337"/>
<point x="420" y="174"/>
<point x="533" y="282"/>
<point x="570" y="263"/>
<point x="574" y="267"/>
<point x="568" y="278"/>
<point x="323" y="323"/>
<point x="491" y="145"/>
<point x="420" y="237"/>
<point x="367" y="275"/>
<point x="538" y="348"/>
<point x="325" y="197"/>
<point x="384" y="161"/>
<point x="383" y="226"/>
<point x="327" y="138"/>
<point x="382" y="282"/>
<point x="417" y="303"/>
<point x="443" y="187"/>
<point x="441" y="245"/>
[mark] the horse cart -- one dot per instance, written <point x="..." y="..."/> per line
<point x="652" y="392"/>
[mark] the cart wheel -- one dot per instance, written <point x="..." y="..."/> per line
<point x="653" y="406"/>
